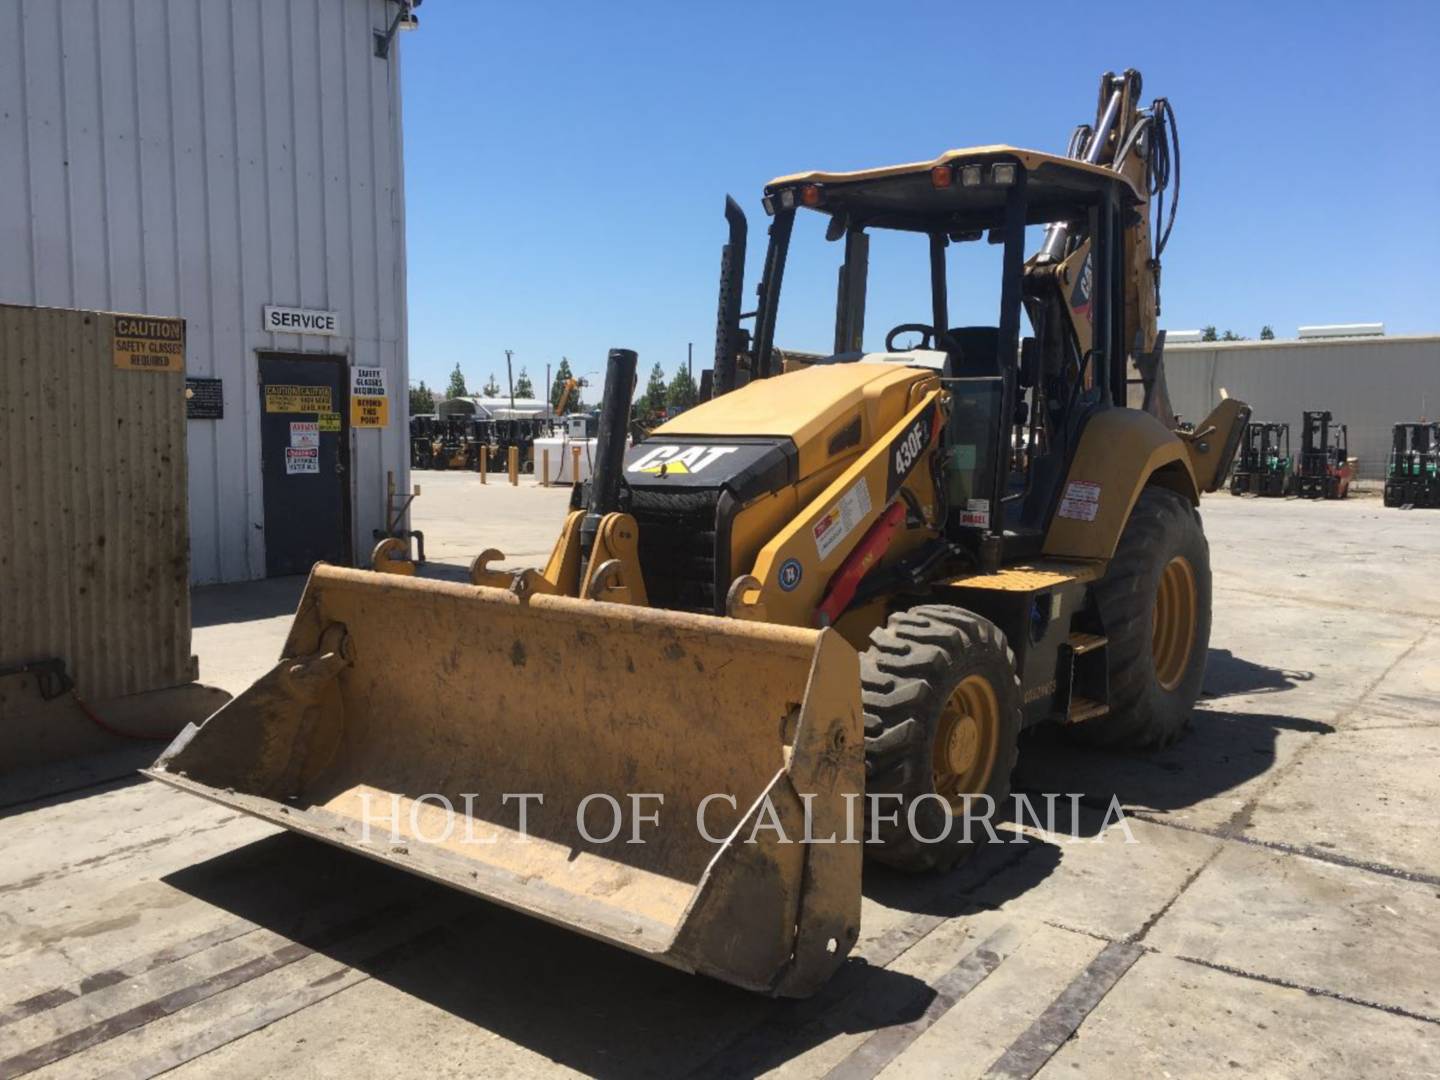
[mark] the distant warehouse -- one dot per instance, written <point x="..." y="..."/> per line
<point x="1368" y="380"/>
<point x="237" y="165"/>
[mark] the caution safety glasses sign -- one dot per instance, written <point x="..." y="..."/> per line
<point x="369" y="400"/>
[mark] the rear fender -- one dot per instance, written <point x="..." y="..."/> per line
<point x="1120" y="452"/>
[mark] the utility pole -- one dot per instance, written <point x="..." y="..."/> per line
<point x="690" y="360"/>
<point x="549" y="388"/>
<point x="510" y="378"/>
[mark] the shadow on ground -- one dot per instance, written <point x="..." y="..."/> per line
<point x="245" y="601"/>
<point x="1220" y="751"/>
<point x="578" y="1002"/>
<point x="1227" y="674"/>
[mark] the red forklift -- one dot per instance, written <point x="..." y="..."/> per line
<point x="1324" y="469"/>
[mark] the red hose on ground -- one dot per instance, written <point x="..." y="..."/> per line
<point x="103" y="726"/>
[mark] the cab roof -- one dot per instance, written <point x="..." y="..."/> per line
<point x="905" y="197"/>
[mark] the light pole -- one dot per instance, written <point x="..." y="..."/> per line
<point x="510" y="378"/>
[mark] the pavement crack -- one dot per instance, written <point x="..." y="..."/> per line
<point x="1314" y="991"/>
<point x="1306" y="851"/>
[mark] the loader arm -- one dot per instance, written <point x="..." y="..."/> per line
<point x="794" y="571"/>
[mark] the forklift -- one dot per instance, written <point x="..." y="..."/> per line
<point x="422" y="442"/>
<point x="1264" y="465"/>
<point x="1324" y="469"/>
<point x="1413" y="476"/>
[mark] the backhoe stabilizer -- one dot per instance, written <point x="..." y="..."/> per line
<point x="377" y="735"/>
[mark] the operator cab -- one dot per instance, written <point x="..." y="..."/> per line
<point x="1017" y="407"/>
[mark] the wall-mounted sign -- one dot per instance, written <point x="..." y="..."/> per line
<point x="304" y="433"/>
<point x="204" y="399"/>
<point x="294" y="320"/>
<point x="284" y="397"/>
<point x="142" y="343"/>
<point x="329" y="421"/>
<point x="302" y="459"/>
<point x="369" y="403"/>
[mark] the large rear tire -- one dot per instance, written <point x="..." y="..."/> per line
<point x="1154" y="602"/>
<point x="942" y="722"/>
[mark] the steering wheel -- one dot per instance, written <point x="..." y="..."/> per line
<point x="930" y="338"/>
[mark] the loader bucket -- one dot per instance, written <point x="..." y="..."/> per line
<point x="405" y="710"/>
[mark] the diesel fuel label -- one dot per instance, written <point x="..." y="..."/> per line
<point x="142" y="343"/>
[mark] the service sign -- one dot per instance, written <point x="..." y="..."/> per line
<point x="369" y="402"/>
<point x="294" y="320"/>
<point x="141" y="343"/>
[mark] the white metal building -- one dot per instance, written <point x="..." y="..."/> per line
<point x="214" y="160"/>
<point x="1370" y="383"/>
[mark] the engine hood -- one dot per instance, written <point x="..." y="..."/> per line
<point x="809" y="419"/>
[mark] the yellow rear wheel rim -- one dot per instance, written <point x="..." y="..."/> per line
<point x="967" y="741"/>
<point x="1173" y="635"/>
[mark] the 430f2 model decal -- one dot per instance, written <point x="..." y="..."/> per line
<point x="907" y="448"/>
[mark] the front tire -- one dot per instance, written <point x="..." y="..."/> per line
<point x="1154" y="602"/>
<point x="942" y="722"/>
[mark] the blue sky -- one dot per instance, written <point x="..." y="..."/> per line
<point x="566" y="164"/>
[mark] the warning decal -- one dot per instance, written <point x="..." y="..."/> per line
<point x="842" y="518"/>
<point x="302" y="459"/>
<point x="369" y="403"/>
<point x="329" y="421"/>
<point x="282" y="397"/>
<point x="145" y="344"/>
<point x="304" y="433"/>
<point x="1081" y="501"/>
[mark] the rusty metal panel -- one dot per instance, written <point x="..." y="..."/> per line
<point x="94" y="540"/>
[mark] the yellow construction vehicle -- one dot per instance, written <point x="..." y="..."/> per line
<point x="804" y="620"/>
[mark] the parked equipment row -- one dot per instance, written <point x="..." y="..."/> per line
<point x="1322" y="470"/>
<point x="458" y="442"/>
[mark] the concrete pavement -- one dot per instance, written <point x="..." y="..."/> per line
<point x="1278" y="913"/>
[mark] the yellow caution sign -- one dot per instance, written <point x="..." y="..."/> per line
<point x="369" y="400"/>
<point x="287" y="397"/>
<point x="369" y="411"/>
<point x="329" y="421"/>
<point x="142" y="343"/>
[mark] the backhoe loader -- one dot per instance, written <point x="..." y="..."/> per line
<point x="807" y="619"/>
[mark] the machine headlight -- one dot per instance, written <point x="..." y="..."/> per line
<point x="1003" y="174"/>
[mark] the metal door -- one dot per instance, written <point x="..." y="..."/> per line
<point x="304" y="462"/>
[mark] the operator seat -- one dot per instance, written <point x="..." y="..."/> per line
<point x="979" y="351"/>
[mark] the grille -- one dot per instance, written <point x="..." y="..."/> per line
<point x="677" y="547"/>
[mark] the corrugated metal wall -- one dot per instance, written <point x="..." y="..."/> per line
<point x="1370" y="384"/>
<point x="204" y="159"/>
<point x="94" y="563"/>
